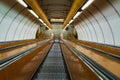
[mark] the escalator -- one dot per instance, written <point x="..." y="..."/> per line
<point x="53" y="66"/>
<point x="43" y="62"/>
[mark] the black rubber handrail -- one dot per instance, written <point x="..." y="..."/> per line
<point x="115" y="56"/>
<point x="103" y="52"/>
<point x="7" y="61"/>
<point x="101" y="72"/>
<point x="113" y="46"/>
<point x="10" y="47"/>
<point x="3" y="42"/>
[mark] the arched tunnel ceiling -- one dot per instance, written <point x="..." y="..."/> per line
<point x="98" y="23"/>
<point x="56" y="8"/>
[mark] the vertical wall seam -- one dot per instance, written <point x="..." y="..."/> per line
<point x="93" y="28"/>
<point x="28" y="28"/>
<point x="32" y="30"/>
<point x="23" y="27"/>
<point x="78" y="30"/>
<point x="8" y="12"/>
<point x="32" y="27"/>
<point x="82" y="29"/>
<point x="88" y="29"/>
<point x="12" y="23"/>
<point x="18" y="25"/>
<point x="107" y="23"/>
<point x="113" y="8"/>
<point x="85" y="24"/>
<point x="36" y="32"/>
<point x="98" y="24"/>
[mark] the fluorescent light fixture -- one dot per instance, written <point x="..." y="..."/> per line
<point x="41" y="20"/>
<point x="77" y="14"/>
<point x="33" y="13"/>
<point x="87" y="4"/>
<point x="22" y="3"/>
<point x="56" y="20"/>
<point x="71" y="21"/>
<point x="44" y="24"/>
<point x="48" y="28"/>
<point x="66" y="26"/>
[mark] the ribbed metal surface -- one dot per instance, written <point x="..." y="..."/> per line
<point x="53" y="67"/>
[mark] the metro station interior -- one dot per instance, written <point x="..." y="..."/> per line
<point x="59" y="39"/>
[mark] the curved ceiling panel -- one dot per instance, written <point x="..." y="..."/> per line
<point x="100" y="22"/>
<point x="16" y="21"/>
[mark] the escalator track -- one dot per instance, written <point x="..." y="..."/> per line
<point x="53" y="67"/>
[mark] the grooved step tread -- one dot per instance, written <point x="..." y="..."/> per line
<point x="53" y="67"/>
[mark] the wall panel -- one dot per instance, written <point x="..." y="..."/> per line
<point x="15" y="21"/>
<point x="103" y="20"/>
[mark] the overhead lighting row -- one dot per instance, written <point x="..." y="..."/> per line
<point x="79" y="12"/>
<point x="31" y="11"/>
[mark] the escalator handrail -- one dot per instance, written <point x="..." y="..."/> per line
<point x="103" y="52"/>
<point x="7" y="61"/>
<point x="101" y="72"/>
<point x="9" y="47"/>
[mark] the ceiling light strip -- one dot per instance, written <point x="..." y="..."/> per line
<point x="22" y="3"/>
<point x="37" y="9"/>
<point x="30" y="10"/>
<point x="33" y="13"/>
<point x="75" y="6"/>
<point x="87" y="4"/>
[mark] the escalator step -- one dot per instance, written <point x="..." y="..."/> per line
<point x="53" y="67"/>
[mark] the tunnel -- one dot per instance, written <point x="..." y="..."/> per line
<point x="59" y="39"/>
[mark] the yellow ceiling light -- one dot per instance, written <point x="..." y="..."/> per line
<point x="35" y="6"/>
<point x="75" y="6"/>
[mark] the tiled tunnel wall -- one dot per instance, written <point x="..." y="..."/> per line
<point x="100" y="23"/>
<point x="16" y="22"/>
